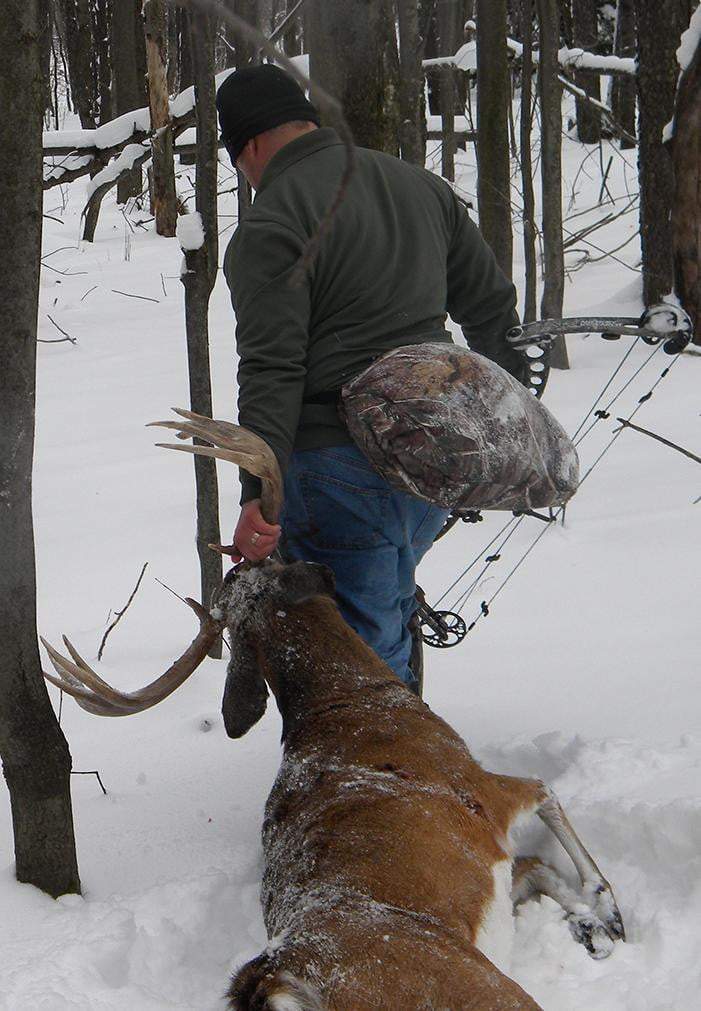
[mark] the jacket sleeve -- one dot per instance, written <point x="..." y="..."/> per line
<point x="272" y="334"/>
<point x="480" y="296"/>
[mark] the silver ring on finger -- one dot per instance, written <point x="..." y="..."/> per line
<point x="255" y="537"/>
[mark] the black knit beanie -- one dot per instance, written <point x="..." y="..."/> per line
<point x="255" y="99"/>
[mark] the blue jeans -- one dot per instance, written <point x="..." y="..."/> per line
<point x="338" y="511"/>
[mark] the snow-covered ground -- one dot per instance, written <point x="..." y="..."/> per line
<point x="584" y="673"/>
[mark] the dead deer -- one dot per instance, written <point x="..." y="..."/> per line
<point x="389" y="874"/>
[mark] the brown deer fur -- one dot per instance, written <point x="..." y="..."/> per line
<point x="386" y="845"/>
<point x="381" y="831"/>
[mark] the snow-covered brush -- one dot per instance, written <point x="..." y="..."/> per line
<point x="389" y="868"/>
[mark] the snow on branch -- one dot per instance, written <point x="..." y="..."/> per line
<point x="466" y="60"/>
<point x="124" y="162"/>
<point x="577" y="59"/>
<point x="70" y="154"/>
<point x="190" y="231"/>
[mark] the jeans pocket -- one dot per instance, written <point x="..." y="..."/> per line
<point x="428" y="528"/>
<point x="342" y="514"/>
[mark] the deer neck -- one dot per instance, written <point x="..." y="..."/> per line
<point x="312" y="661"/>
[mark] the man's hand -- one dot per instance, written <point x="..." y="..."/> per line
<point x="254" y="539"/>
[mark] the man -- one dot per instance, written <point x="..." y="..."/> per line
<point x="400" y="253"/>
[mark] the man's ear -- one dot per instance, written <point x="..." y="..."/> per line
<point x="302" y="580"/>
<point x="245" y="692"/>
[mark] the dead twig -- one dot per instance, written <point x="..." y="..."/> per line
<point x="65" y="273"/>
<point x="62" y="340"/>
<point x="611" y="252"/>
<point x="88" y="291"/>
<point x="118" y="614"/>
<point x="604" y="177"/>
<point x="658" y="438"/>
<point x="91" y="772"/>
<point x="575" y="237"/>
<point x="54" y="251"/>
<point x="145" y="298"/>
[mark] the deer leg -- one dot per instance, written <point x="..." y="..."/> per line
<point x="597" y="891"/>
<point x="532" y="877"/>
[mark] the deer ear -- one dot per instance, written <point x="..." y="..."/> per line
<point x="245" y="693"/>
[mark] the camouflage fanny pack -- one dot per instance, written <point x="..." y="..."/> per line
<point x="449" y="426"/>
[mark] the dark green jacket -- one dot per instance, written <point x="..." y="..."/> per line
<point x="401" y="252"/>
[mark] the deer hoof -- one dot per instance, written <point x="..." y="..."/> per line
<point x="589" y="930"/>
<point x="604" y="906"/>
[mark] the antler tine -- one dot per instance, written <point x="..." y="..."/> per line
<point x="82" y="673"/>
<point x="97" y="696"/>
<point x="86" y="699"/>
<point x="235" y="445"/>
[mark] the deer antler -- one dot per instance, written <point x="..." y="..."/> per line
<point x="227" y="442"/>
<point x="236" y="445"/>
<point x="77" y="678"/>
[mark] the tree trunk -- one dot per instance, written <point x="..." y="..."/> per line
<point x="198" y="280"/>
<point x="686" y="213"/>
<point x="551" y="172"/>
<point x="493" y="161"/>
<point x="264" y="19"/>
<point x="412" y="105"/>
<point x="173" y="61"/>
<point x="449" y="33"/>
<point x="585" y="27"/>
<point x="185" y="78"/>
<point x="35" y="756"/>
<point x="566" y="22"/>
<point x="45" y="42"/>
<point x="102" y="25"/>
<point x="246" y="52"/>
<point x="101" y="22"/>
<point x="353" y="55"/>
<point x="659" y="30"/>
<point x="86" y="26"/>
<point x="79" y="48"/>
<point x="164" y="197"/>
<point x="127" y="90"/>
<point x="526" y="124"/>
<point x="292" y="37"/>
<point x="622" y="86"/>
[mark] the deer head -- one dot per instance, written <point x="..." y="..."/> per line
<point x="246" y="596"/>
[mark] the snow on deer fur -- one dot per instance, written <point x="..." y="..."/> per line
<point x="382" y="836"/>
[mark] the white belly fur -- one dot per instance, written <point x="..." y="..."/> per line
<point x="496" y="931"/>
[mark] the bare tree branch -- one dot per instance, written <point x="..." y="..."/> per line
<point x="658" y="438"/>
<point x="119" y="614"/>
<point x="62" y="340"/>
